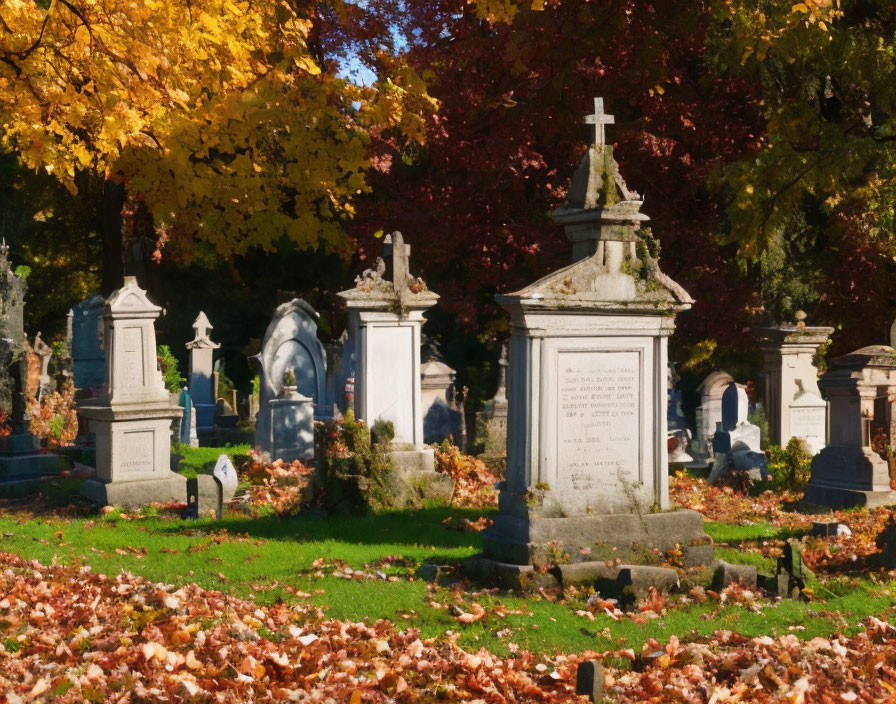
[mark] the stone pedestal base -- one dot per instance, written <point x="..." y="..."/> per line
<point x="170" y="487"/>
<point x="633" y="538"/>
<point x="843" y="477"/>
<point x="415" y="477"/>
<point x="414" y="461"/>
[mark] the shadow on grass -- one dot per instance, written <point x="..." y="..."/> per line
<point x="406" y="527"/>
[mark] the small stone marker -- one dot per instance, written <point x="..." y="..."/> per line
<point x="225" y="473"/>
<point x="792" y="573"/>
<point x="727" y="573"/>
<point x="590" y="680"/>
<point x="204" y="495"/>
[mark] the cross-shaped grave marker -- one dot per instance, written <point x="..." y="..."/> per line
<point x="599" y="119"/>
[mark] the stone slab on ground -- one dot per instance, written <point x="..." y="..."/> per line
<point x="726" y="573"/>
<point x="136" y="493"/>
<point x="628" y="580"/>
<point x="415" y="478"/>
<point x="538" y="540"/>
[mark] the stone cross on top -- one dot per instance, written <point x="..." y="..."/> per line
<point x="599" y="119"/>
<point x="401" y="253"/>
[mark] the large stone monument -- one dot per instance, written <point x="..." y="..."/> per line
<point x="385" y="311"/>
<point x="861" y="389"/>
<point x="132" y="413"/>
<point x="793" y="401"/>
<point x="293" y="372"/>
<point x="202" y="369"/>
<point x="587" y="470"/>
<point x="12" y="325"/>
<point x="86" y="342"/>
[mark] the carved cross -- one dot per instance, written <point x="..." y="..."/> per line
<point x="599" y="119"/>
<point x="401" y="253"/>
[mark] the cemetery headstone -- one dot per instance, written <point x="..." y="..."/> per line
<point x="385" y="311"/>
<point x="202" y="391"/>
<point x="679" y="432"/>
<point x="290" y="351"/>
<point x="443" y="417"/>
<point x="737" y="442"/>
<point x="860" y="387"/>
<point x="88" y="358"/>
<point x="188" y="434"/>
<point x="491" y="421"/>
<point x="21" y="461"/>
<point x="587" y="463"/>
<point x="792" y="398"/>
<point x="710" y="411"/>
<point x="207" y="493"/>
<point x="132" y="414"/>
<point x="225" y="473"/>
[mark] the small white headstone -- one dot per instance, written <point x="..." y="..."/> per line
<point x="225" y="473"/>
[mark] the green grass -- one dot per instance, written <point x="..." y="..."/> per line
<point x="257" y="557"/>
<point x="201" y="460"/>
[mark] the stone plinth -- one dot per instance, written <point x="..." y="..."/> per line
<point x="588" y="390"/>
<point x="131" y="417"/>
<point x="793" y="401"/>
<point x="860" y="387"/>
<point x="385" y="319"/>
<point x="291" y="425"/>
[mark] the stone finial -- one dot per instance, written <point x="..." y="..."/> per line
<point x="800" y="317"/>
<point x="201" y="339"/>
<point x="598" y="120"/>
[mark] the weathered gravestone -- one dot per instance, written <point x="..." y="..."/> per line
<point x="212" y="492"/>
<point x="187" y="431"/>
<point x="202" y="390"/>
<point x="587" y="469"/>
<point x="12" y="326"/>
<point x="792" y="399"/>
<point x="292" y="374"/>
<point x="443" y="412"/>
<point x="861" y="388"/>
<point x="86" y="343"/>
<point x="21" y="462"/>
<point x="491" y="421"/>
<point x="737" y="442"/>
<point x="708" y="415"/>
<point x="385" y="311"/>
<point x="132" y="414"/>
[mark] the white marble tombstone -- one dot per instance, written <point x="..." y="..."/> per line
<point x="132" y="414"/>
<point x="861" y="388"/>
<point x="711" y="390"/>
<point x="290" y="345"/>
<point x="587" y="462"/>
<point x="792" y="398"/>
<point x="385" y="313"/>
<point x="441" y="417"/>
<point x="202" y="391"/>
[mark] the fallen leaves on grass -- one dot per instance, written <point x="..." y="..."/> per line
<point x="69" y="635"/>
<point x="282" y="486"/>
<point x="474" y="482"/>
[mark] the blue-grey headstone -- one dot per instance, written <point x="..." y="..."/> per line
<point x="734" y="407"/>
<point x="88" y="355"/>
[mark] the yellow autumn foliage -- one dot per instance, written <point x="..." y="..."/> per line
<point x="215" y="113"/>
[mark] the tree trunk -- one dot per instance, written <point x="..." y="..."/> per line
<point x="110" y="228"/>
